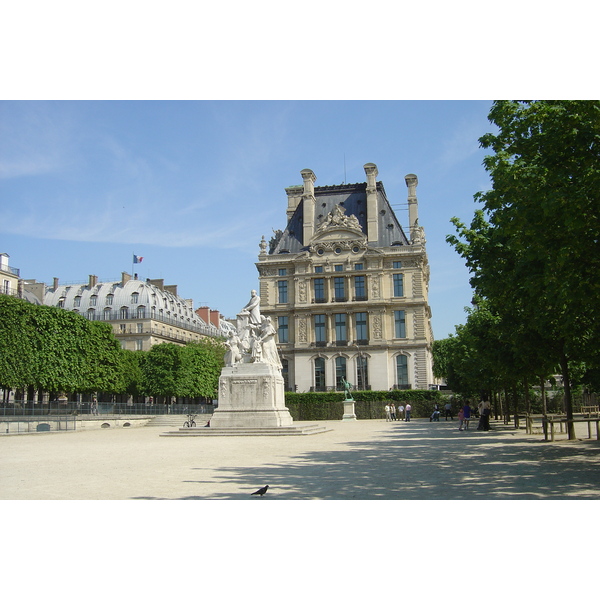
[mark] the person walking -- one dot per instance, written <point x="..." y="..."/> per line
<point x="484" y="415"/>
<point x="466" y="414"/>
<point x="461" y="418"/>
<point x="407" y="410"/>
<point x="448" y="411"/>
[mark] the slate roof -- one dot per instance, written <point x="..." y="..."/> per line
<point x="353" y="197"/>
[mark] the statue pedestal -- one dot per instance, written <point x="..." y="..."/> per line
<point x="251" y="395"/>
<point x="349" y="414"/>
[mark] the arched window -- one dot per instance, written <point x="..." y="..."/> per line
<point x="124" y="313"/>
<point x="141" y="312"/>
<point x="320" y="374"/>
<point x="340" y="371"/>
<point x="106" y="314"/>
<point x="362" y="372"/>
<point x="134" y="298"/>
<point x="402" y="371"/>
<point x="91" y="313"/>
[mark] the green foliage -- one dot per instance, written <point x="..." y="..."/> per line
<point x="533" y="249"/>
<point x="202" y="362"/>
<point x="315" y="406"/>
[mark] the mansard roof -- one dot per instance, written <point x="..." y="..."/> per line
<point x="353" y="199"/>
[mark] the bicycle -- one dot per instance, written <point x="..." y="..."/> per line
<point x="190" y="422"/>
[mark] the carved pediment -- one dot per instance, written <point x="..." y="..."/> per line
<point x="338" y="219"/>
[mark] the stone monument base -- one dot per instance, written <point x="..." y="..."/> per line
<point x="251" y="395"/>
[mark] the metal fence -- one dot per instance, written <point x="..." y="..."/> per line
<point x="73" y="409"/>
<point x="33" y="425"/>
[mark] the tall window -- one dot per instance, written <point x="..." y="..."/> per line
<point x="359" y="287"/>
<point x="282" y="329"/>
<point x="134" y="298"/>
<point x="362" y="373"/>
<point x="109" y="299"/>
<point x="340" y="327"/>
<point x="141" y="312"/>
<point x="93" y="300"/>
<point x="106" y="314"/>
<point x="319" y="374"/>
<point x="361" y="327"/>
<point x="398" y="285"/>
<point x="320" y="331"/>
<point x="400" y="323"/>
<point x="340" y="371"/>
<point x="339" y="288"/>
<point x="319" y="290"/>
<point x="402" y="371"/>
<point x="124" y="313"/>
<point x="283" y="291"/>
<point x="77" y="301"/>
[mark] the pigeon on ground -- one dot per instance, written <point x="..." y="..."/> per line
<point x="261" y="492"/>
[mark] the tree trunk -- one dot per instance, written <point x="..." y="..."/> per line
<point x="564" y="367"/>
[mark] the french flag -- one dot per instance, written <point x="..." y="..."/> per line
<point x="137" y="259"/>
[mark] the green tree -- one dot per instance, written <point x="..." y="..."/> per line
<point x="534" y="250"/>
<point x="202" y="362"/>
<point x="162" y="369"/>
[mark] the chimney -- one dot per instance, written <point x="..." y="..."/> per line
<point x="125" y="277"/>
<point x="203" y="313"/>
<point x="159" y="283"/>
<point x="308" y="205"/>
<point x="214" y="318"/>
<point x="372" y="216"/>
<point x="93" y="281"/>
<point x="55" y="283"/>
<point x="172" y="289"/>
<point x="413" y="207"/>
<point x="294" y="195"/>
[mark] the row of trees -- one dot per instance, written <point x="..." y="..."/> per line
<point x="533" y="251"/>
<point x="49" y="349"/>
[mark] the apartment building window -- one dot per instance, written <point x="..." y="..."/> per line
<point x="320" y="330"/>
<point x="361" y="327"/>
<point x="93" y="300"/>
<point x="398" y="285"/>
<point x="140" y="327"/>
<point x="319" y="269"/>
<point x="109" y="299"/>
<point x="340" y="328"/>
<point x="340" y="372"/>
<point x="319" y="285"/>
<point x="77" y="301"/>
<point x="282" y="272"/>
<point x="134" y="298"/>
<point x="283" y="291"/>
<point x="358" y="267"/>
<point x="402" y="371"/>
<point x="359" y="288"/>
<point x="141" y="312"/>
<point x="320" y="374"/>
<point x="106" y="314"/>
<point x="282" y="329"/>
<point x="339" y="287"/>
<point x="124" y="313"/>
<point x="338" y="267"/>
<point x="399" y="324"/>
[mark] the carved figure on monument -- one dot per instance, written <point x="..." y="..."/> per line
<point x="255" y="346"/>
<point x="234" y="352"/>
<point x="267" y="338"/>
<point x="252" y="309"/>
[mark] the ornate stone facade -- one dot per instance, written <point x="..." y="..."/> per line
<point x="347" y="290"/>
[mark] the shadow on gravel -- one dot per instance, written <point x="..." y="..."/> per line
<point x="424" y="461"/>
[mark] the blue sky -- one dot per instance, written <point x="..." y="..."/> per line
<point x="193" y="185"/>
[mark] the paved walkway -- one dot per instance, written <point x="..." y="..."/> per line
<point x="365" y="460"/>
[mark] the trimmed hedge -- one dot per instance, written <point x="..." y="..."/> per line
<point x="328" y="406"/>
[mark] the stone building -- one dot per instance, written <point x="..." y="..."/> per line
<point x="141" y="313"/>
<point x="347" y="289"/>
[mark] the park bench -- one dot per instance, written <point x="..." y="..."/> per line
<point x="553" y="420"/>
<point x="590" y="410"/>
